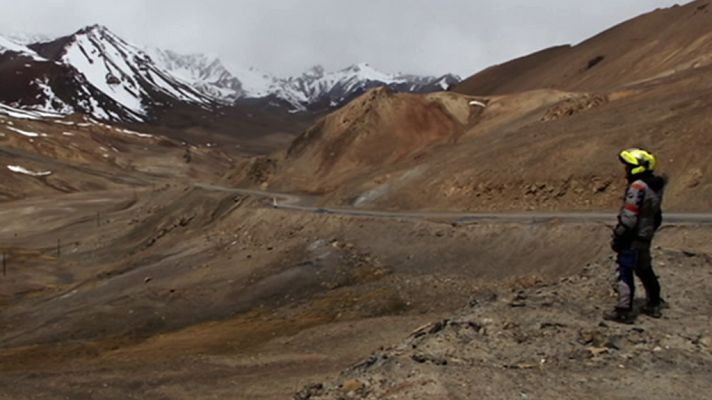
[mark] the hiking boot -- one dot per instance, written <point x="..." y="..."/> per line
<point x="652" y="310"/>
<point x="619" y="315"/>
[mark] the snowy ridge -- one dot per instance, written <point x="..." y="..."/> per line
<point x="7" y="44"/>
<point x="204" y="73"/>
<point x="315" y="83"/>
<point x="317" y="88"/>
<point x="209" y="75"/>
<point x="26" y="39"/>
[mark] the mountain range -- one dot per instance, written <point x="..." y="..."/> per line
<point x="314" y="89"/>
<point x="95" y="72"/>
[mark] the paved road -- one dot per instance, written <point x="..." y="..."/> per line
<point x="293" y="202"/>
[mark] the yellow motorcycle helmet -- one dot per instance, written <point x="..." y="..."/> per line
<point x="640" y="161"/>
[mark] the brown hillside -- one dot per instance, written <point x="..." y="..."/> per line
<point x="379" y="129"/>
<point x="655" y="44"/>
<point x="75" y="154"/>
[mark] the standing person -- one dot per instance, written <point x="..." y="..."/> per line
<point x="639" y="218"/>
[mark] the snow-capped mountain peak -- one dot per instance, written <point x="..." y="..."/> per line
<point x="364" y="72"/>
<point x="103" y="58"/>
<point x="315" y="72"/>
<point x="205" y="73"/>
<point x="119" y="80"/>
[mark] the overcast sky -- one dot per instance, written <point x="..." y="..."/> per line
<point x="286" y="37"/>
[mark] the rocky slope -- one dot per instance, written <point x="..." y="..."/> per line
<point x="548" y="341"/>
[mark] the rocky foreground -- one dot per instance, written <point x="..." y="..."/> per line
<point x="549" y="341"/>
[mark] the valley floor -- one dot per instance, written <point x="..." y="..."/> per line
<point x="183" y="292"/>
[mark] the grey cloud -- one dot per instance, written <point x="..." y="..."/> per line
<point x="288" y="36"/>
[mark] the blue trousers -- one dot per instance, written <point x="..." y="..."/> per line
<point x="636" y="261"/>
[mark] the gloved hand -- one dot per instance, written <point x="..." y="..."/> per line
<point x="616" y="245"/>
<point x="620" y="238"/>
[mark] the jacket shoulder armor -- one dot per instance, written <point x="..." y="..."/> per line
<point x="639" y="185"/>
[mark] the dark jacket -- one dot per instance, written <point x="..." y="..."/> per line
<point x="641" y="215"/>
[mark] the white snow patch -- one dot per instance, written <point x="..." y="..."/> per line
<point x="142" y="135"/>
<point x="255" y="83"/>
<point x="126" y="131"/>
<point x="21" y="170"/>
<point x="52" y="102"/>
<point x="68" y="123"/>
<point x="27" y="114"/>
<point x="26" y="133"/>
<point x="69" y="134"/>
